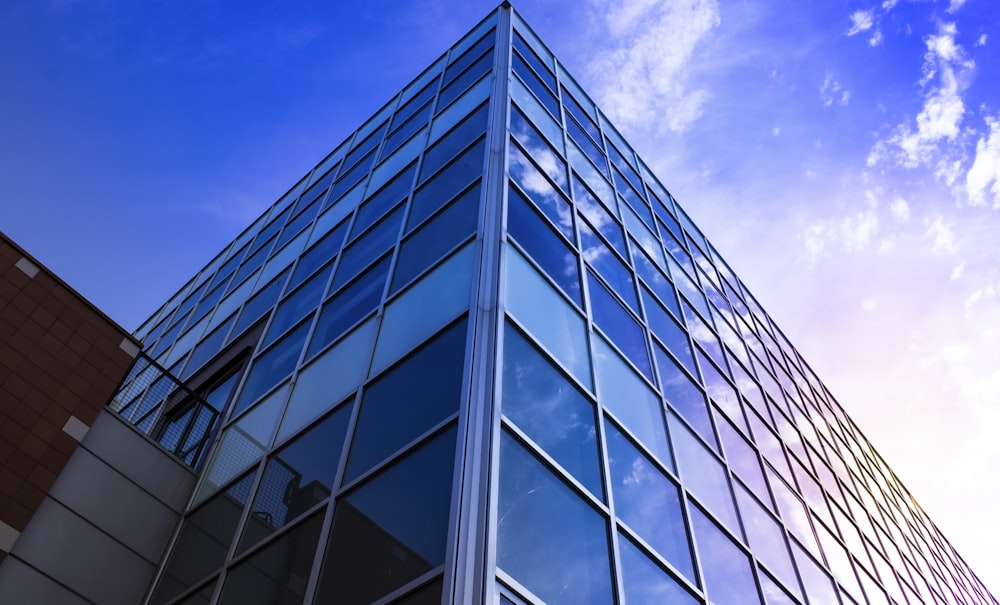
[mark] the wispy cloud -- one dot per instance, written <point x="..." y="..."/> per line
<point x="643" y="79"/>
<point x="985" y="171"/>
<point x="861" y="21"/>
<point x="941" y="236"/>
<point x="832" y="92"/>
<point x="852" y="233"/>
<point x="946" y="74"/>
<point x="981" y="40"/>
<point x="900" y="210"/>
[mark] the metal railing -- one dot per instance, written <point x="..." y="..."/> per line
<point x="166" y="410"/>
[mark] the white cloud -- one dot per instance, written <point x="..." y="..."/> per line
<point x="643" y="79"/>
<point x="958" y="271"/>
<point x="900" y="210"/>
<point x="981" y="41"/>
<point x="955" y="5"/>
<point x="869" y="304"/>
<point x="776" y="130"/>
<point x="861" y="21"/>
<point x="940" y="118"/>
<point x="876" y="38"/>
<point x="832" y="92"/>
<point x="941" y="236"/>
<point x="889" y="4"/>
<point x="853" y="233"/>
<point x="986" y="168"/>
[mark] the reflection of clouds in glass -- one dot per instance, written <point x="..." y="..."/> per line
<point x="537" y="186"/>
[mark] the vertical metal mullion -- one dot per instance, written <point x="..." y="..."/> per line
<point x="474" y="559"/>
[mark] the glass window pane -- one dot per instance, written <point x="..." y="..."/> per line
<point x="347" y="307"/>
<point x="703" y="474"/>
<point x="648" y="501"/>
<point x="437" y="237"/>
<point x="547" y="316"/>
<point x="392" y="529"/>
<point x="402" y="404"/>
<point x="536" y="113"/>
<point x="370" y="246"/>
<point x="451" y="116"/>
<point x="328" y="379"/>
<point x="645" y="582"/>
<point x="680" y="392"/>
<point x="632" y="402"/>
<point x="542" y="243"/>
<point x="463" y="82"/>
<point x="594" y="179"/>
<point x="278" y="573"/>
<point x="544" y="71"/>
<point x="818" y="585"/>
<point x="242" y="444"/>
<point x="203" y="541"/>
<point x="458" y="139"/>
<point x="415" y="123"/>
<point x="385" y="198"/>
<point x="535" y="84"/>
<point x="323" y="251"/>
<point x="744" y="462"/>
<point x="588" y="146"/>
<point x="423" y="308"/>
<point x="537" y="148"/>
<point x="296" y="305"/>
<point x="443" y="186"/>
<point x="531" y="181"/>
<point x="271" y="367"/>
<point x="550" y="410"/>
<point x="668" y="330"/>
<point x="598" y="216"/>
<point x="767" y="539"/>
<point x="298" y="477"/>
<point x="728" y="575"/>
<point x="549" y="540"/>
<point x="623" y="329"/>
<point x="611" y="268"/>
<point x="460" y="63"/>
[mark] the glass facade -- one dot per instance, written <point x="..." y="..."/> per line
<point x="480" y="354"/>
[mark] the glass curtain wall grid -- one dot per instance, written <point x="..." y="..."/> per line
<point x="492" y="360"/>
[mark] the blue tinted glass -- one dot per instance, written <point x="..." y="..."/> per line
<point x="634" y="199"/>
<point x="376" y="205"/>
<point x="633" y="403"/>
<point x="444" y="185"/>
<point x="818" y="584"/>
<point x="645" y="582"/>
<point x="324" y="250"/>
<point x="402" y="403"/>
<point x="252" y="264"/>
<point x="681" y="392"/>
<point x="552" y="412"/>
<point x="458" y="139"/>
<point x="392" y="529"/>
<point x="298" y="477"/>
<point x="270" y="231"/>
<point x="348" y="306"/>
<point x="297" y="305"/>
<point x="439" y="235"/>
<point x="468" y="57"/>
<point x="593" y="152"/>
<point x="611" y="268"/>
<point x="544" y="71"/>
<point x="366" y="249"/>
<point x="414" y="105"/>
<point x="535" y="85"/>
<point x="767" y="539"/>
<point x="548" y="539"/>
<point x="648" y="501"/>
<point x="415" y="123"/>
<point x="350" y="179"/>
<point x="573" y="108"/>
<point x="361" y="149"/>
<point x="261" y="303"/>
<point x="271" y="367"/>
<point x="207" y="304"/>
<point x="537" y="148"/>
<point x="208" y="347"/>
<point x="542" y="243"/>
<point x="540" y="190"/>
<point x="703" y="474"/>
<point x="743" y="461"/>
<point x="669" y="331"/>
<point x="625" y="167"/>
<point x="657" y="281"/>
<point x="452" y="91"/>
<point x="611" y="317"/>
<point x="728" y="575"/>
<point x="297" y="224"/>
<point x="316" y="190"/>
<point x="598" y="216"/>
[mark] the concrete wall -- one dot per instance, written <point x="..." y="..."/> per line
<point x="99" y="534"/>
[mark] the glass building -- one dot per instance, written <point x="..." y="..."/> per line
<point x="479" y="354"/>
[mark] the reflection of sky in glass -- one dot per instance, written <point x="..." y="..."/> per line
<point x="541" y="191"/>
<point x="648" y="501"/>
<point x="548" y="539"/>
<point x="767" y="539"/>
<point x="626" y="396"/>
<point x="703" y="474"/>
<point x="611" y="268"/>
<point x="728" y="575"/>
<point x="549" y="410"/>
<point x="645" y="582"/>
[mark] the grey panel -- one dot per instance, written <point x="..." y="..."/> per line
<point x="80" y="556"/>
<point x="22" y="584"/>
<point x="116" y="505"/>
<point x="134" y="456"/>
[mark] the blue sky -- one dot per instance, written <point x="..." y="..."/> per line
<point x="843" y="156"/>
